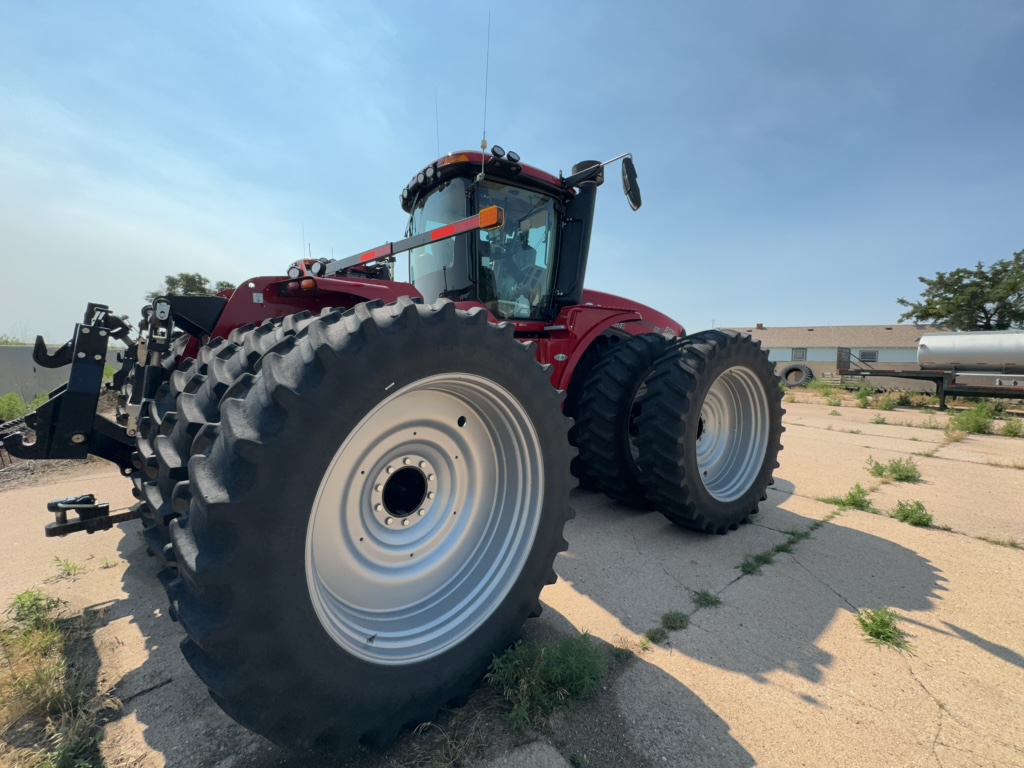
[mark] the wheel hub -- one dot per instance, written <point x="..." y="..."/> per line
<point x="424" y="518"/>
<point x="404" y="491"/>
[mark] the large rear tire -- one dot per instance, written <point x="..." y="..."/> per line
<point x="609" y="409"/>
<point x="710" y="429"/>
<point x="370" y="514"/>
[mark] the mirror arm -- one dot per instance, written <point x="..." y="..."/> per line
<point x="588" y="173"/>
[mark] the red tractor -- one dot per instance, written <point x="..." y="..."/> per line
<point x="356" y="488"/>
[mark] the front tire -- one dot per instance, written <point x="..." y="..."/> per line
<point x="709" y="434"/>
<point x="372" y="518"/>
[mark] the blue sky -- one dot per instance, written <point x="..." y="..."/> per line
<point x="801" y="162"/>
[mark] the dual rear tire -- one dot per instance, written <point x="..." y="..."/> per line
<point x="690" y="427"/>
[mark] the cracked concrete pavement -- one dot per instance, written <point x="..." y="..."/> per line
<point x="778" y="675"/>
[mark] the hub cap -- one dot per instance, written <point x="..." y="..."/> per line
<point x="424" y="519"/>
<point x="732" y="434"/>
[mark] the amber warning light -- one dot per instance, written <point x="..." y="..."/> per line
<point x="492" y="218"/>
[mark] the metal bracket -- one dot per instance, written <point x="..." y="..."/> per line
<point x="92" y="515"/>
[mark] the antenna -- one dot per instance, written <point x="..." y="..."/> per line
<point x="437" y="123"/>
<point x="487" y="77"/>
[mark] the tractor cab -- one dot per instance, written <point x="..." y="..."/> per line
<point x="526" y="268"/>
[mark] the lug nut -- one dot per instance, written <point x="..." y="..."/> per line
<point x="430" y="477"/>
<point x="406" y="461"/>
<point x="387" y="521"/>
<point x="378" y="487"/>
<point x="422" y="512"/>
<point x="390" y="470"/>
<point x="423" y="464"/>
<point x="379" y="507"/>
<point x="430" y="494"/>
<point x="405" y="521"/>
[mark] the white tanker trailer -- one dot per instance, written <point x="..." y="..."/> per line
<point x="969" y="363"/>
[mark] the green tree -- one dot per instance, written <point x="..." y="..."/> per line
<point x="977" y="299"/>
<point x="189" y="284"/>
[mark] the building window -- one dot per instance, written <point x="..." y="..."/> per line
<point x="868" y="355"/>
<point x="800" y="354"/>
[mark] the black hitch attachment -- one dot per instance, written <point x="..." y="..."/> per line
<point x="67" y="425"/>
<point x="92" y="515"/>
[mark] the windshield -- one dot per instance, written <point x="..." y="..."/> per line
<point x="441" y="269"/>
<point x="516" y="261"/>
<point x="512" y="267"/>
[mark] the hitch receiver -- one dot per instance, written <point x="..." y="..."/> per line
<point x="92" y="515"/>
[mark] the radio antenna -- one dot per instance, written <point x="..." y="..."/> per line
<point x="437" y="123"/>
<point x="487" y="76"/>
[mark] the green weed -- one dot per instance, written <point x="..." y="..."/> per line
<point x="911" y="513"/>
<point x="897" y="470"/>
<point x="67" y="569"/>
<point x="1011" y="543"/>
<point x="878" y="420"/>
<point x="752" y="564"/>
<point x="864" y="395"/>
<point x="881" y="628"/>
<point x="886" y="402"/>
<point x="674" y="620"/>
<point x="704" y="598"/>
<point x="656" y="635"/>
<point x="43" y="689"/>
<point x="976" y="421"/>
<point x="834" y="412"/>
<point x="1012" y="428"/>
<point x="856" y="498"/>
<point x="535" y="678"/>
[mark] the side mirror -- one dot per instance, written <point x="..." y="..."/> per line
<point x="629" y="186"/>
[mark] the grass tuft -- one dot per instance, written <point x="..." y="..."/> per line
<point x="881" y="628"/>
<point x="752" y="564"/>
<point x="704" y="598"/>
<point x="535" y="678"/>
<point x="898" y="470"/>
<point x="1011" y="543"/>
<point x="656" y="635"/>
<point x="46" y="701"/>
<point x="1012" y="428"/>
<point x="976" y="421"/>
<point x="911" y="513"/>
<point x="674" y="620"/>
<point x="856" y="498"/>
<point x="67" y="569"/>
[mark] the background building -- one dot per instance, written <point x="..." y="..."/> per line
<point x="881" y="346"/>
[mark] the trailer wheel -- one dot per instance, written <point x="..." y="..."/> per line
<point x="796" y="375"/>
<point x="370" y="515"/>
<point x="609" y="409"/>
<point x="709" y="434"/>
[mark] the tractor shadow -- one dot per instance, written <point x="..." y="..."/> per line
<point x="169" y="718"/>
<point x="623" y="571"/>
<point x="638" y="567"/>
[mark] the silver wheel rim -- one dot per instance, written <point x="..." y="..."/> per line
<point x="394" y="585"/>
<point x="732" y="436"/>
